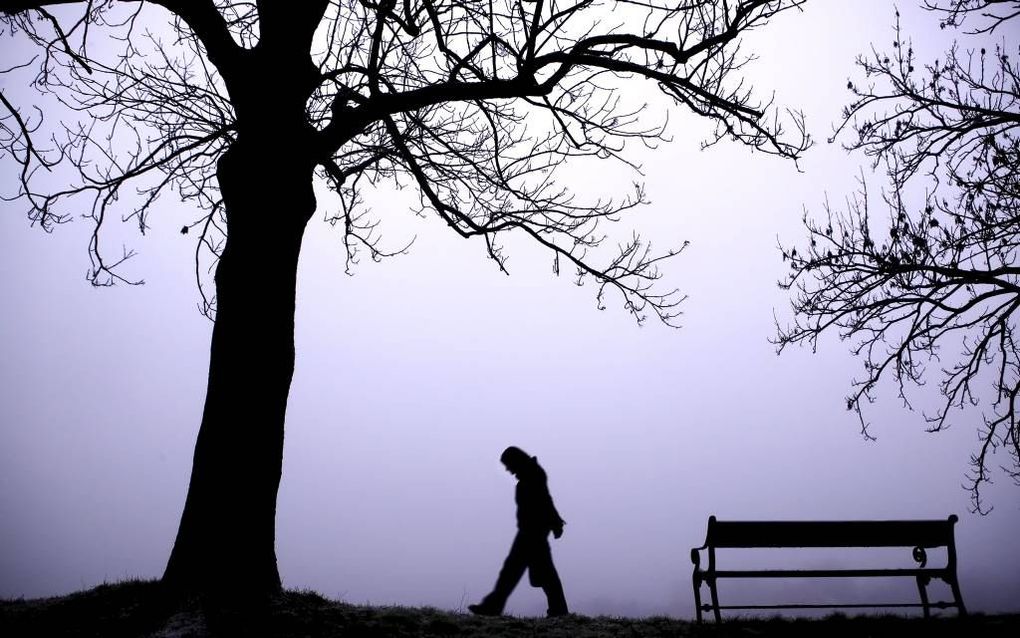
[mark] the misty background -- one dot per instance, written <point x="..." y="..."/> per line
<point x="412" y="376"/>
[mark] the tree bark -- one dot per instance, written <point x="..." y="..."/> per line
<point x="225" y="544"/>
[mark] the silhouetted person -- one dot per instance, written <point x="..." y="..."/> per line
<point x="536" y="517"/>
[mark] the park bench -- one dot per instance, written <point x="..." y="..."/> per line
<point x="920" y="535"/>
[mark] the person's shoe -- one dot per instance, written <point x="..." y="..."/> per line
<point x="557" y="614"/>
<point x="482" y="610"/>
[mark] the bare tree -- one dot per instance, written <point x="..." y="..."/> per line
<point x="239" y="107"/>
<point x="931" y="291"/>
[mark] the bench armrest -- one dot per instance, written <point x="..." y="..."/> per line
<point x="696" y="556"/>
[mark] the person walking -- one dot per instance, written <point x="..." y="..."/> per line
<point x="536" y="519"/>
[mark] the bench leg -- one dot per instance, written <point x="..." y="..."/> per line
<point x="922" y="588"/>
<point x="715" y="600"/>
<point x="960" y="609"/>
<point x="697" y="596"/>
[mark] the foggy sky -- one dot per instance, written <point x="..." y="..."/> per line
<point x="412" y="376"/>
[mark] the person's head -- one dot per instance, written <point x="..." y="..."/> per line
<point x="515" y="459"/>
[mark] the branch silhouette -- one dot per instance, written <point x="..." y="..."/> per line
<point x="931" y="291"/>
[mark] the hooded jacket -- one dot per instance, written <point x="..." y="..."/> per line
<point x="535" y="509"/>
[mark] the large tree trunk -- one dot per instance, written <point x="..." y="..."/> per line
<point x="226" y="540"/>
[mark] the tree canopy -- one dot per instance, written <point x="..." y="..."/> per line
<point x="929" y="290"/>
<point x="475" y="105"/>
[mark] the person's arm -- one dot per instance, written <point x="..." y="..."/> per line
<point x="556" y="521"/>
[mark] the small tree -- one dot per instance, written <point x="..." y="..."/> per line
<point x="239" y="107"/>
<point x="933" y="291"/>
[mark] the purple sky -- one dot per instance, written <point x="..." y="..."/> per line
<point x="413" y="376"/>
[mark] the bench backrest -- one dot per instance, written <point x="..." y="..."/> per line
<point x="749" y="534"/>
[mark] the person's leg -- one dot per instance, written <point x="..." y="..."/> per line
<point x="542" y="567"/>
<point x="554" y="594"/>
<point x="513" y="568"/>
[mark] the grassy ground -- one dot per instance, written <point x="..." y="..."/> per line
<point x="136" y="609"/>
